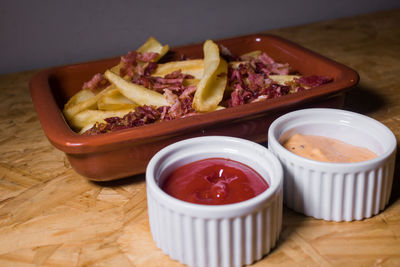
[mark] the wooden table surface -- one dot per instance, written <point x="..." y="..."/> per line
<point x="51" y="216"/>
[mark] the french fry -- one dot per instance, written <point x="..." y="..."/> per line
<point x="252" y="54"/>
<point x="249" y="55"/>
<point x="193" y="67"/>
<point x="190" y="82"/>
<point x="116" y="68"/>
<point x="114" y="100"/>
<point x="136" y="93"/>
<point x="87" y="127"/>
<point x="83" y="100"/>
<point x="210" y="89"/>
<point x="80" y="97"/>
<point x="283" y="79"/>
<point x="152" y="45"/>
<point x="235" y="64"/>
<point x="90" y="117"/>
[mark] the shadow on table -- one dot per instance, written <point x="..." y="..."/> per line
<point x="131" y="180"/>
<point x="395" y="195"/>
<point x="291" y="222"/>
<point x="363" y="100"/>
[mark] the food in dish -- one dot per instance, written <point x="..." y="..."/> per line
<point x="141" y="90"/>
<point x="327" y="149"/>
<point x="214" y="181"/>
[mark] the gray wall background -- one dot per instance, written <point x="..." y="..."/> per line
<point x="40" y="34"/>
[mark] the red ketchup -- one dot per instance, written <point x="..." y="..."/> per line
<point x="214" y="181"/>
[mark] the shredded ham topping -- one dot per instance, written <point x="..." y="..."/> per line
<point x="97" y="83"/>
<point x="141" y="116"/>
<point x="313" y="80"/>
<point x="132" y="63"/>
<point x="249" y="82"/>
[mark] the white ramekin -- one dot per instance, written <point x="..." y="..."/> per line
<point x="335" y="191"/>
<point x="220" y="235"/>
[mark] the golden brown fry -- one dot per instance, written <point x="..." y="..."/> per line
<point x="136" y="93"/>
<point x="83" y="100"/>
<point x="152" y="45"/>
<point x="252" y="54"/>
<point x="79" y="97"/>
<point x="210" y="89"/>
<point x="193" y="67"/>
<point x="116" y="68"/>
<point x="235" y="64"/>
<point x="87" y="127"/>
<point x="283" y="79"/>
<point x="114" y="100"/>
<point x="191" y="82"/>
<point x="247" y="56"/>
<point x="90" y="117"/>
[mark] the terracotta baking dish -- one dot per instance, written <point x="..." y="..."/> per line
<point x="127" y="152"/>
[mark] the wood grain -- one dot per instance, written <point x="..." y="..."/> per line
<point x="51" y="216"/>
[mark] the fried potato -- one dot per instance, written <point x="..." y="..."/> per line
<point x="83" y="100"/>
<point x="116" y="68"/>
<point x="87" y="127"/>
<point x="136" y="93"/>
<point x="210" y="89"/>
<point x="152" y="45"/>
<point x="80" y="97"/>
<point x="248" y="56"/>
<point x="114" y="100"/>
<point x="252" y="54"/>
<point x="80" y="101"/>
<point x="193" y="67"/>
<point x="283" y="79"/>
<point x="90" y="117"/>
<point x="235" y="64"/>
<point x="191" y="82"/>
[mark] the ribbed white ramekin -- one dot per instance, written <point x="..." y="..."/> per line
<point x="215" y="235"/>
<point x="335" y="191"/>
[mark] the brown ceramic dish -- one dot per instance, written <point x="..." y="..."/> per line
<point x="120" y="154"/>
